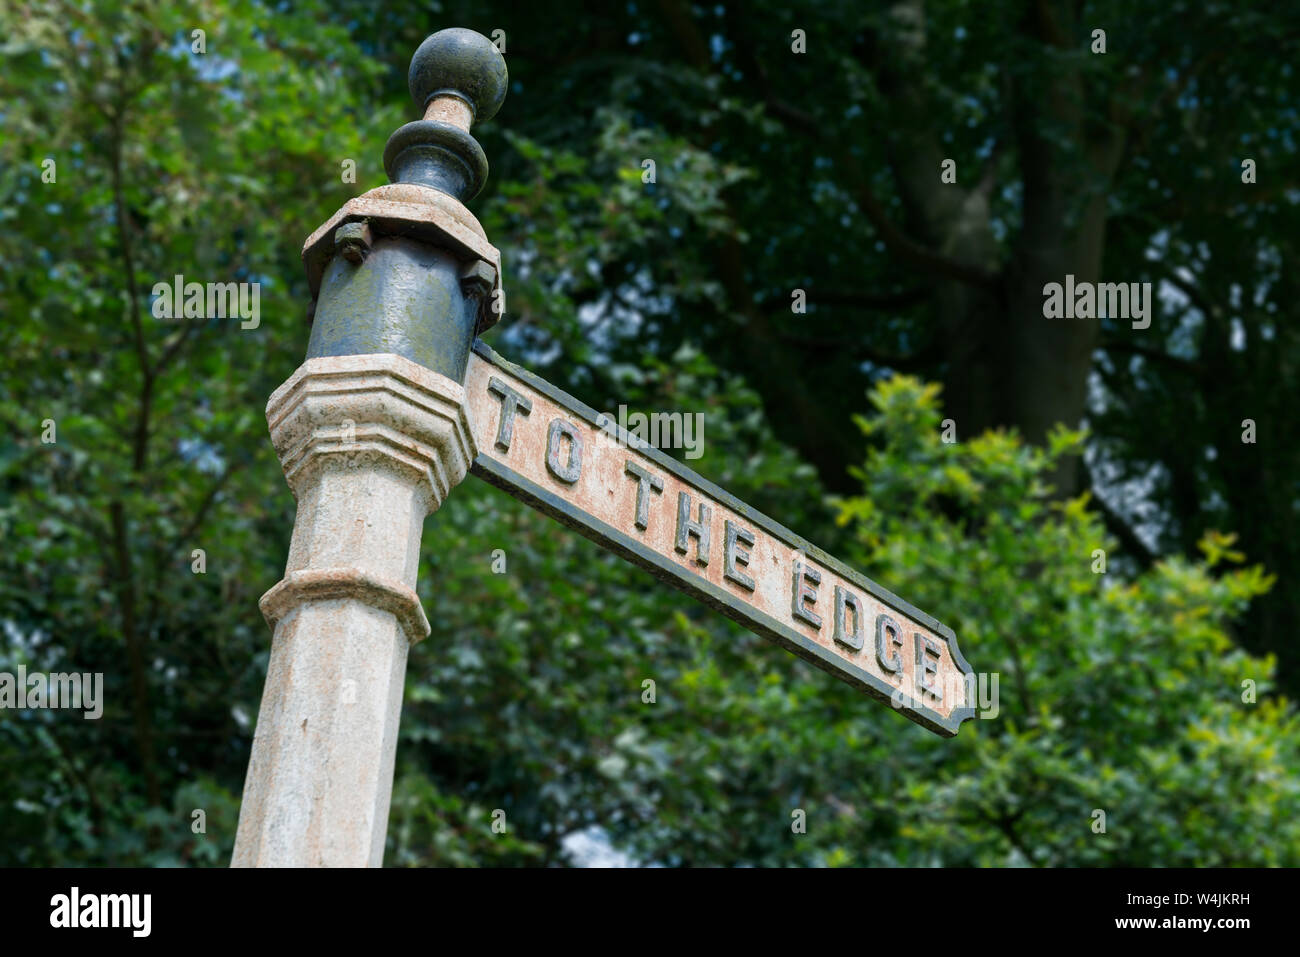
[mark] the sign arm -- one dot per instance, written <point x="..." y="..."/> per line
<point x="617" y="468"/>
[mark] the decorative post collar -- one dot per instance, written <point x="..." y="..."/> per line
<point x="457" y="77"/>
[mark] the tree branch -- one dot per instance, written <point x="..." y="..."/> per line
<point x="905" y="248"/>
<point x="1186" y="366"/>
<point x="855" y="299"/>
<point x="1192" y="292"/>
<point x="913" y="253"/>
<point x="1115" y="523"/>
<point x="921" y="359"/>
<point x="125" y="578"/>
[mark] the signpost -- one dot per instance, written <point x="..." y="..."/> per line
<point x="549" y="450"/>
<point x="398" y="400"/>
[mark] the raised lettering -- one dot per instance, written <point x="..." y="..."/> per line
<point x="845" y="600"/>
<point x="511" y="402"/>
<point x="732" y="555"/>
<point x="887" y="644"/>
<point x="806" y="581"/>
<point x="927" y="669"/>
<point x="645" y="484"/>
<point x="568" y="472"/>
<point x="687" y="528"/>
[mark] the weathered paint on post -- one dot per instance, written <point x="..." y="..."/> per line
<point x="548" y="449"/>
<point x="370" y="445"/>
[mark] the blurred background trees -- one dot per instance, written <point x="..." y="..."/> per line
<point x="775" y="171"/>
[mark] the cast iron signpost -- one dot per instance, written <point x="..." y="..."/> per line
<point x="399" y="400"/>
<point x="551" y="451"/>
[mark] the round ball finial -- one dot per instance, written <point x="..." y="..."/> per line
<point x="462" y="63"/>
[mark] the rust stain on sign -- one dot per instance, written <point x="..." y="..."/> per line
<point x="556" y="454"/>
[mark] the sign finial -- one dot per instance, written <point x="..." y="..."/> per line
<point x="457" y="77"/>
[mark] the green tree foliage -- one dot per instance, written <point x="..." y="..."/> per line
<point x="1120" y="692"/>
<point x="167" y="162"/>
